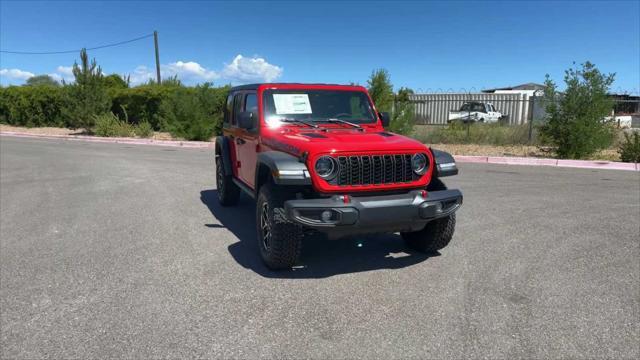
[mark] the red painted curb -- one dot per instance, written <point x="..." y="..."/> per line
<point x="582" y="164"/>
<point x="471" y="159"/>
<point x="521" y="161"/>
<point x="115" y="140"/>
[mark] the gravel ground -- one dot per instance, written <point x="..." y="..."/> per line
<point x="157" y="135"/>
<point x="109" y="250"/>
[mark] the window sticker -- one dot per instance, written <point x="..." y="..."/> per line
<point x="292" y="103"/>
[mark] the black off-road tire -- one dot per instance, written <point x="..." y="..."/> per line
<point x="281" y="249"/>
<point x="228" y="191"/>
<point x="436" y="234"/>
<point x="433" y="237"/>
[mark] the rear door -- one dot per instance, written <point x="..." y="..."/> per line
<point x="230" y="128"/>
<point x="246" y="140"/>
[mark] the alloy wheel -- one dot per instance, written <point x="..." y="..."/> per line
<point x="265" y="226"/>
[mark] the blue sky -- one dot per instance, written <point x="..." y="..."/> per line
<point x="435" y="46"/>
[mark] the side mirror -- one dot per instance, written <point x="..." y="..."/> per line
<point x="247" y="120"/>
<point x="386" y="118"/>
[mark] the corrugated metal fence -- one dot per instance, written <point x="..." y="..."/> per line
<point x="433" y="109"/>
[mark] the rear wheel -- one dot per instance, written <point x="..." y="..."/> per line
<point x="228" y="192"/>
<point x="279" y="240"/>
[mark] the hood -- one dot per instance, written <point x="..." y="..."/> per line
<point x="339" y="140"/>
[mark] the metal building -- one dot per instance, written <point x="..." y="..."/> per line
<point x="434" y="108"/>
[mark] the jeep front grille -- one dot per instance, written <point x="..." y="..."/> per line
<point x="374" y="169"/>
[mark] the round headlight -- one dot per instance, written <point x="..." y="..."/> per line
<point x="326" y="167"/>
<point x="419" y="163"/>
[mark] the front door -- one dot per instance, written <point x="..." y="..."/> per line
<point x="246" y="140"/>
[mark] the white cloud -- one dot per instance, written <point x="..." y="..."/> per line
<point x="15" y="75"/>
<point x="63" y="73"/>
<point x="141" y="75"/>
<point x="255" y="69"/>
<point x="55" y="77"/>
<point x="240" y="70"/>
<point x="65" y="70"/>
<point x="189" y="70"/>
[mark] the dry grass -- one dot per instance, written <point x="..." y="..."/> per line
<point x="455" y="149"/>
<point x="42" y="130"/>
<point x="495" y="140"/>
<point x="157" y="135"/>
<point x="515" y="150"/>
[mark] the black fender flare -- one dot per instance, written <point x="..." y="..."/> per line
<point x="445" y="164"/>
<point x="284" y="169"/>
<point x="223" y="150"/>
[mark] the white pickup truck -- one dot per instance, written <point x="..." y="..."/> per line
<point x="476" y="111"/>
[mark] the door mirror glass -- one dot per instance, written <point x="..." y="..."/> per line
<point x="386" y="118"/>
<point x="247" y="120"/>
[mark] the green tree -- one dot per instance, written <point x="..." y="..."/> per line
<point x="87" y="97"/>
<point x="41" y="80"/>
<point x="381" y="90"/>
<point x="403" y="117"/>
<point x="576" y="122"/>
<point x="114" y="81"/>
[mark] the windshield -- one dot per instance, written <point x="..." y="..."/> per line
<point x="317" y="106"/>
<point x="472" y="107"/>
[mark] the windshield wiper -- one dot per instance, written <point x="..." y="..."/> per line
<point x="299" y="122"/>
<point x="330" y="120"/>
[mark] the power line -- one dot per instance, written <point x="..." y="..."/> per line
<point x="74" y="51"/>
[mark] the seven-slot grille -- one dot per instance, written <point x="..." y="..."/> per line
<point x="374" y="169"/>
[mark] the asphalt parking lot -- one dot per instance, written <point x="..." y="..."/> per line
<point x="110" y="250"/>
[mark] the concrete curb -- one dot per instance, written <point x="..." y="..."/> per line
<point x="115" y="140"/>
<point x="583" y="164"/>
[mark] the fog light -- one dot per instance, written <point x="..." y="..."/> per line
<point x="326" y="216"/>
<point x="438" y="207"/>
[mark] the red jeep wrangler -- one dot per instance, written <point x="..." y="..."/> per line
<point x="316" y="158"/>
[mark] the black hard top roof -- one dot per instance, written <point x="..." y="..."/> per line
<point x="256" y="85"/>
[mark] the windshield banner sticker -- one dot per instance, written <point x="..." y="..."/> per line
<point x="292" y="103"/>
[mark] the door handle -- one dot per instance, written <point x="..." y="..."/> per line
<point x="240" y="141"/>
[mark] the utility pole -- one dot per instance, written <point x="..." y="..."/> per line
<point x="155" y="41"/>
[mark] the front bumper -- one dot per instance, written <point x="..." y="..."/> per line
<point x="373" y="214"/>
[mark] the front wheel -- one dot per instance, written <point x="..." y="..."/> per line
<point x="279" y="240"/>
<point x="433" y="237"/>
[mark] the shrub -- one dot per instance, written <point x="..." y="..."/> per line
<point x="41" y="80"/>
<point x="381" y="90"/>
<point x="109" y="125"/>
<point x="629" y="149"/>
<point x="144" y="129"/>
<point x="184" y="116"/>
<point x="32" y="106"/>
<point x="142" y="103"/>
<point x="403" y="118"/>
<point x="575" y="120"/>
<point x="193" y="113"/>
<point x="87" y="97"/>
<point x="115" y="81"/>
